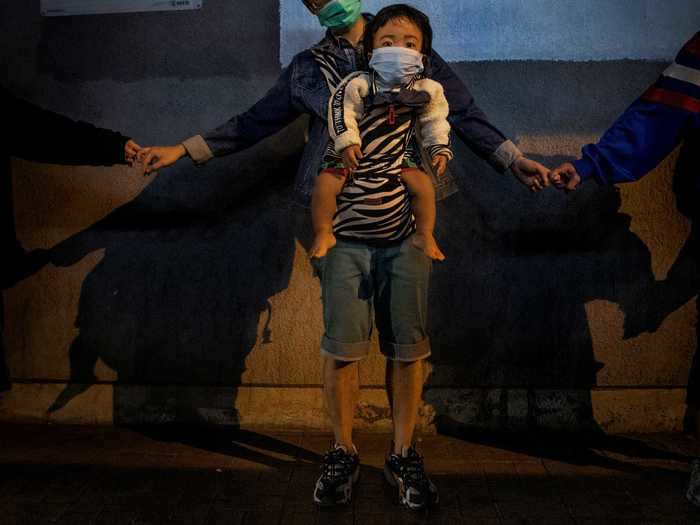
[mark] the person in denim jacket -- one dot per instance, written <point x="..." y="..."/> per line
<point x="302" y="89"/>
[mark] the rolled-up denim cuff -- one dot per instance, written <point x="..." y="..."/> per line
<point x="405" y="352"/>
<point x="344" y="351"/>
<point x="198" y="149"/>
<point x="504" y="156"/>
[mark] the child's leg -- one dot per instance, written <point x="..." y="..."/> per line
<point x="342" y="391"/>
<point x="406" y="391"/>
<point x="347" y="321"/>
<point x="421" y="188"/>
<point x="402" y="276"/>
<point x="327" y="187"/>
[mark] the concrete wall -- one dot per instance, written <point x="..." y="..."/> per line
<point x="189" y="297"/>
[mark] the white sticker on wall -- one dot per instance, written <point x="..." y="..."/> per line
<point x="101" y="7"/>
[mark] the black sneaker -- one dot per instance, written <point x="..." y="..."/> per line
<point x="406" y="473"/>
<point x="339" y="472"/>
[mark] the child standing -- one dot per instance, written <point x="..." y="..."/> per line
<point x="373" y="256"/>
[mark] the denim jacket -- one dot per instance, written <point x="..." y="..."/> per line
<point x="302" y="89"/>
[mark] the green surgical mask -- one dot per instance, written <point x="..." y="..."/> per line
<point x="340" y="14"/>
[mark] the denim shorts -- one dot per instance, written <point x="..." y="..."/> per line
<point x="363" y="286"/>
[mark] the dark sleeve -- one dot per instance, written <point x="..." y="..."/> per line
<point x="652" y="126"/>
<point x="469" y="122"/>
<point x="36" y="134"/>
<point x="272" y="113"/>
<point x="635" y="144"/>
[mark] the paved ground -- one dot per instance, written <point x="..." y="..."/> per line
<point x="67" y="475"/>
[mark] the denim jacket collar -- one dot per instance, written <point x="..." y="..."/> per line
<point x="339" y="45"/>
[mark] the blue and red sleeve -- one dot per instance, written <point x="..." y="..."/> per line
<point x="651" y="127"/>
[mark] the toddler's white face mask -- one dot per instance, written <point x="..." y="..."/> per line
<point x="396" y="65"/>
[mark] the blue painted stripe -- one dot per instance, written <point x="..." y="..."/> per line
<point x="572" y="30"/>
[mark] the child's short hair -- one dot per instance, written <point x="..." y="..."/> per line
<point x="392" y="12"/>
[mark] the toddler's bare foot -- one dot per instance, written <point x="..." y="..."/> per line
<point x="426" y="243"/>
<point x="322" y="243"/>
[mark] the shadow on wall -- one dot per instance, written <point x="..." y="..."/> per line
<point x="189" y="266"/>
<point x="682" y="281"/>
<point x="520" y="270"/>
<point x="177" y="298"/>
<point x="4" y="371"/>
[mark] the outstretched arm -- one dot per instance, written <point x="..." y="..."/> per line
<point x="270" y="114"/>
<point x="647" y="131"/>
<point x="40" y="135"/>
<point x="474" y="128"/>
<point x="468" y="120"/>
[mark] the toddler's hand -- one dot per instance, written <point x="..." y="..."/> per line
<point x="426" y="243"/>
<point x="351" y="157"/>
<point x="440" y="164"/>
<point x="322" y="243"/>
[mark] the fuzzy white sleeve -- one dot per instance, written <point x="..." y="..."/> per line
<point x="345" y="109"/>
<point x="434" y="127"/>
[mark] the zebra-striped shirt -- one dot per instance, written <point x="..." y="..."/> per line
<point x="370" y="209"/>
<point x="374" y="205"/>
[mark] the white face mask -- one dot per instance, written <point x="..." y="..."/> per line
<point x="396" y="65"/>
